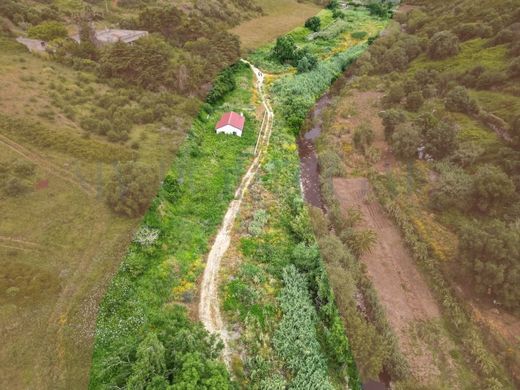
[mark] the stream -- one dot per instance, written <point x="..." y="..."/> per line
<point x="310" y="175"/>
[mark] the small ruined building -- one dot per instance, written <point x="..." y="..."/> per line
<point x="108" y="36"/>
<point x="231" y="123"/>
<point x="34" y="45"/>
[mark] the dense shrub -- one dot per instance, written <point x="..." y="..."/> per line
<point x="414" y="101"/>
<point x="285" y="49"/>
<point x="47" y="31"/>
<point x="442" y="45"/>
<point x="458" y="100"/>
<point x="130" y="189"/>
<point x="395" y="95"/>
<point x="146" y="63"/>
<point x="492" y="251"/>
<point x="467" y="31"/>
<point x="313" y="23"/>
<point x="492" y="188"/>
<point x="223" y="84"/>
<point x="383" y="10"/>
<point x="359" y="34"/>
<point x="405" y="142"/>
<point x="439" y="137"/>
<point x="391" y="119"/>
<point x="454" y="188"/>
<point x="297" y="332"/>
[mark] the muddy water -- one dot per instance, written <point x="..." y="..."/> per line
<point x="310" y="174"/>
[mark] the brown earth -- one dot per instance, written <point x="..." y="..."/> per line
<point x="401" y="288"/>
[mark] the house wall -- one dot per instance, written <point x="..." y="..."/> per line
<point x="228" y="129"/>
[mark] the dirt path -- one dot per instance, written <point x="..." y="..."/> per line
<point x="403" y="291"/>
<point x="209" y="305"/>
<point x="51" y="168"/>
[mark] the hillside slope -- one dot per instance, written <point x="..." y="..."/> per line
<point x="431" y="119"/>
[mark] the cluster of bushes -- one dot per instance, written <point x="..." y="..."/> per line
<point x="297" y="93"/>
<point x="34" y="133"/>
<point x="286" y="52"/>
<point x="224" y="83"/>
<point x="297" y="332"/>
<point x="130" y="188"/>
<point x="20" y="13"/>
<point x="16" y="178"/>
<point x="488" y="189"/>
<point x="392" y="52"/>
<point x="490" y="249"/>
<point x="48" y="31"/>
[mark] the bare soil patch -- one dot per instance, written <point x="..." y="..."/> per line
<point x="401" y="288"/>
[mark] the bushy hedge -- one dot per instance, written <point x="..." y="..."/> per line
<point x="295" y="338"/>
<point x="295" y="94"/>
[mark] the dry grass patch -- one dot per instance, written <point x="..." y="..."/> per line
<point x="281" y="16"/>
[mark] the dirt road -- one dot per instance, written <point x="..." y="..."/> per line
<point x="209" y="305"/>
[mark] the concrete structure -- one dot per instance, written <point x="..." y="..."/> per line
<point x="231" y="123"/>
<point x="34" y="45"/>
<point x="107" y="36"/>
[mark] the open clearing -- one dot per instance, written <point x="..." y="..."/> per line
<point x="401" y="288"/>
<point x="280" y="17"/>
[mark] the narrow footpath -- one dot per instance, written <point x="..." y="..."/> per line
<point x="209" y="305"/>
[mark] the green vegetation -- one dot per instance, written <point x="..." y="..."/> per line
<point x="153" y="279"/>
<point x="48" y="31"/>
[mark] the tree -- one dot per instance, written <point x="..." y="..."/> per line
<point x="391" y="119"/>
<point x="394" y="59"/>
<point x="48" y="31"/>
<point x="150" y="365"/>
<point x="284" y="49"/>
<point x="313" y="24"/>
<point x="491" y="251"/>
<point x="395" y="94"/>
<point x="440" y="138"/>
<point x="492" y="187"/>
<point x="306" y="62"/>
<point x="382" y="10"/>
<point x="333" y="4"/>
<point x="443" y="44"/>
<point x="458" y="100"/>
<point x="414" y="101"/>
<point x="453" y="189"/>
<point x="130" y="189"/>
<point x="146" y="63"/>
<point x="405" y="142"/>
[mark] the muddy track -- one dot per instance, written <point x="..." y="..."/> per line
<point x="43" y="163"/>
<point x="209" y="305"/>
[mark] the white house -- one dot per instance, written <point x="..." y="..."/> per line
<point x="231" y="123"/>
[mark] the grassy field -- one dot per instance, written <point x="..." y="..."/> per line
<point x="280" y="17"/>
<point x="59" y="243"/>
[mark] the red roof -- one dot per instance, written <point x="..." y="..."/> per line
<point x="232" y="119"/>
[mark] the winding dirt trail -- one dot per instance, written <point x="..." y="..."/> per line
<point x="209" y="305"/>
